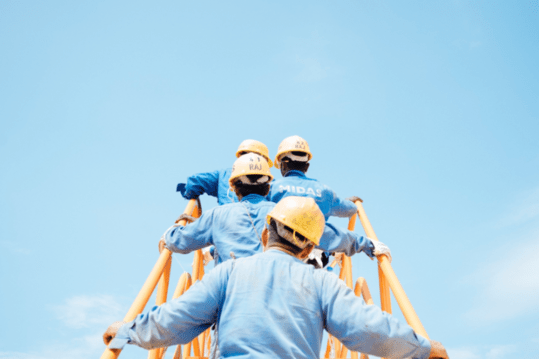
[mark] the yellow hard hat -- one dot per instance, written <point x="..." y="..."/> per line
<point x="250" y="164"/>
<point x="292" y="144"/>
<point x="302" y="215"/>
<point x="256" y="147"/>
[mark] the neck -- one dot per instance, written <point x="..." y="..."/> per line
<point x="281" y="248"/>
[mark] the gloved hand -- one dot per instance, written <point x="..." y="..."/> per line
<point x="437" y="350"/>
<point x="187" y="217"/>
<point x="162" y="245"/>
<point x="354" y="199"/>
<point x="111" y="331"/>
<point x="181" y="188"/>
<point x="162" y="242"/>
<point x="380" y="248"/>
<point x="315" y="258"/>
<point x="207" y="255"/>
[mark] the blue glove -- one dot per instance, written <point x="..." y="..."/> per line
<point x="181" y="188"/>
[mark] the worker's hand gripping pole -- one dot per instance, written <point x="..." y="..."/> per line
<point x="162" y="286"/>
<point x="390" y="278"/>
<point x="147" y="289"/>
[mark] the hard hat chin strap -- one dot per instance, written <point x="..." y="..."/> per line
<point x="292" y="157"/>
<point x="247" y="181"/>
<point x="290" y="236"/>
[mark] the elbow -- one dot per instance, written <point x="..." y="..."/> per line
<point x="175" y="249"/>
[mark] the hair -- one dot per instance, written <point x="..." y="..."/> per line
<point x="289" y="165"/>
<point x="276" y="240"/>
<point x="247" y="189"/>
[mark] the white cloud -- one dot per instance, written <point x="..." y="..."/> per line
<point x="500" y="351"/>
<point x="507" y="287"/>
<point x="463" y="353"/>
<point x="88" y="316"/>
<point x="86" y="347"/>
<point x="85" y="311"/>
<point x="482" y="352"/>
<point x="526" y="208"/>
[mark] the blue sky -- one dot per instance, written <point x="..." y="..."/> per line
<point x="427" y="110"/>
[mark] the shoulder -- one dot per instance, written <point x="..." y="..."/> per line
<point x="225" y="208"/>
<point x="328" y="280"/>
<point x="225" y="171"/>
<point x="266" y="203"/>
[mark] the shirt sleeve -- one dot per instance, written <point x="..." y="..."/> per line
<point x="180" y="320"/>
<point x="337" y="240"/>
<point x="341" y="207"/>
<point x="196" y="235"/>
<point x="199" y="184"/>
<point x="366" y="328"/>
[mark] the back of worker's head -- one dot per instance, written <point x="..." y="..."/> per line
<point x="254" y="146"/>
<point x="250" y="175"/>
<point x="295" y="225"/>
<point x="293" y="154"/>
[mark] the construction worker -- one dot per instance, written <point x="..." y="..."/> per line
<point x="293" y="156"/>
<point x="271" y="305"/>
<point x="216" y="183"/>
<point x="235" y="229"/>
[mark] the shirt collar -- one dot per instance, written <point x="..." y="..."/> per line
<point x="295" y="173"/>
<point x="278" y="253"/>
<point x="253" y="198"/>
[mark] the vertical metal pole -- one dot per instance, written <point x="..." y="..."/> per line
<point x="161" y="297"/>
<point x="362" y="289"/>
<point x="183" y="284"/>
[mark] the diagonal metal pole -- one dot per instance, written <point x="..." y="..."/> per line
<point x="147" y="289"/>
<point x="391" y="279"/>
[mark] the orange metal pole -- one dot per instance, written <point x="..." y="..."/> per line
<point x="328" y="348"/>
<point x="385" y="297"/>
<point x="342" y="276"/>
<point x="347" y="268"/>
<point x="362" y="289"/>
<point x="196" y="347"/>
<point x="161" y="297"/>
<point x="351" y="226"/>
<point x="145" y="293"/>
<point x="208" y="340"/>
<point x="391" y="278"/>
<point x="183" y="284"/>
<point x="196" y="265"/>
<point x="187" y="350"/>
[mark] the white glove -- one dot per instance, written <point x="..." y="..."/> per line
<point x="315" y="254"/>
<point x="162" y="241"/>
<point x="380" y="248"/>
<point x="207" y="255"/>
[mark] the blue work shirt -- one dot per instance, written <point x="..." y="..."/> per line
<point x="295" y="183"/>
<point x="212" y="183"/>
<point x="237" y="227"/>
<point x="233" y="227"/>
<point x="272" y="305"/>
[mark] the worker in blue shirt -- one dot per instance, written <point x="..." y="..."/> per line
<point x="293" y="156"/>
<point x="271" y="305"/>
<point x="235" y="229"/>
<point x="216" y="183"/>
